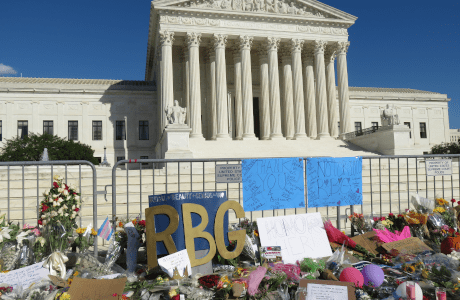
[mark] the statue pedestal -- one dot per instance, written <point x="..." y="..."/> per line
<point x="174" y="142"/>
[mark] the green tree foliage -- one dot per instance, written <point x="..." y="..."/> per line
<point x="446" y="148"/>
<point x="30" y="148"/>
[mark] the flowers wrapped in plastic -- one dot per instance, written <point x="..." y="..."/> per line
<point x="336" y="236"/>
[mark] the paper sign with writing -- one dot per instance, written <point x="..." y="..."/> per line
<point x="178" y="260"/>
<point x="411" y="245"/>
<point x="438" y="167"/>
<point x="276" y="183"/>
<point x="299" y="236"/>
<point x="334" y="181"/>
<point x="25" y="276"/>
<point x="326" y="292"/>
<point x="228" y="173"/>
<point x="328" y="286"/>
<point x="209" y="200"/>
<point x="101" y="289"/>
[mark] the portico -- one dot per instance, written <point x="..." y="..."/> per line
<point x="252" y="69"/>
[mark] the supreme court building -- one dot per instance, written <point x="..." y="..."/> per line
<point x="257" y="78"/>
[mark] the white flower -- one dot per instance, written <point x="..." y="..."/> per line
<point x="60" y="190"/>
<point x="59" y="200"/>
<point x="77" y="197"/>
<point x="65" y="192"/>
<point x="46" y="193"/>
<point x="74" y="214"/>
<point x="53" y="214"/>
<point x="73" y="207"/>
<point x="55" y="203"/>
<point x="55" y="196"/>
<point x="72" y="186"/>
<point x="57" y="177"/>
<point x="5" y="233"/>
<point x="66" y="214"/>
<point x="44" y="222"/>
<point x="22" y="236"/>
<point x="41" y="240"/>
<point x="64" y="206"/>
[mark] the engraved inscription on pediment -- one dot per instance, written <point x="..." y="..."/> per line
<point x="262" y="6"/>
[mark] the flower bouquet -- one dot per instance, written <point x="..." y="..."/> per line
<point x="359" y="223"/>
<point x="85" y="238"/>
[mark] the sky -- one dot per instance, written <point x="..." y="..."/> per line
<point x="393" y="44"/>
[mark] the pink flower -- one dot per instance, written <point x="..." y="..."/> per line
<point x="36" y="231"/>
<point x="391" y="215"/>
<point x="27" y="226"/>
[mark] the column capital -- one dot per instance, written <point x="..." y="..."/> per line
<point x="342" y="47"/>
<point x="245" y="42"/>
<point x="330" y="54"/>
<point x="193" y="39"/>
<point x="297" y="45"/>
<point x="220" y="40"/>
<point x="166" y="38"/>
<point x="211" y="53"/>
<point x="273" y="43"/>
<point x="320" y="45"/>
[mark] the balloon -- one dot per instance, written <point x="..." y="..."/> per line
<point x="401" y="291"/>
<point x="352" y="275"/>
<point x="373" y="276"/>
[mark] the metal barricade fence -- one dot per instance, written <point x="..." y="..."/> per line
<point x="18" y="181"/>
<point x="388" y="183"/>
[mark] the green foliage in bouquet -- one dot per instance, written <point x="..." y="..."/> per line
<point x="58" y="212"/>
<point x="8" y="231"/>
<point x="30" y="148"/>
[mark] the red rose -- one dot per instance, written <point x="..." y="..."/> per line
<point x="66" y="187"/>
<point x="382" y="218"/>
<point x="40" y="222"/>
<point x="55" y="184"/>
<point x="44" y="208"/>
<point x="142" y="223"/>
<point x="76" y="209"/>
<point x="391" y="215"/>
<point x="453" y="200"/>
<point x="177" y="297"/>
<point x="400" y="216"/>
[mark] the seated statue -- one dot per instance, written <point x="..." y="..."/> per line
<point x="176" y="114"/>
<point x="389" y="117"/>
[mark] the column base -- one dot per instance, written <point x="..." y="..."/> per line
<point x="313" y="137"/>
<point x="323" y="136"/>
<point x="288" y="138"/>
<point x="300" y="136"/>
<point x="249" y="136"/>
<point x="223" y="136"/>
<point x="197" y="136"/>
<point x="276" y="136"/>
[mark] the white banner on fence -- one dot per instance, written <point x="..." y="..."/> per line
<point x="438" y="167"/>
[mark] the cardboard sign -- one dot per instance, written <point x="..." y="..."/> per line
<point x="25" y="276"/>
<point x="411" y="245"/>
<point x="209" y="200"/>
<point x="299" y="236"/>
<point x="334" y="181"/>
<point x="101" y="289"/>
<point x="328" y="286"/>
<point x="438" y="167"/>
<point x="58" y="281"/>
<point x="275" y="183"/>
<point x="228" y="174"/>
<point x="178" y="260"/>
<point x="367" y="241"/>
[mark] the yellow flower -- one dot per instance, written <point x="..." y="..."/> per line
<point x="387" y="222"/>
<point x="425" y="273"/>
<point x="441" y="201"/>
<point x="172" y="293"/>
<point x="439" y="210"/>
<point x="63" y="296"/>
<point x="93" y="232"/>
<point x="81" y="230"/>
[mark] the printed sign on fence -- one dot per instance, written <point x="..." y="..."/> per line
<point x="299" y="236"/>
<point x="275" y="183"/>
<point x="438" y="167"/>
<point x="334" y="181"/>
<point x="211" y="201"/>
<point x="228" y="173"/>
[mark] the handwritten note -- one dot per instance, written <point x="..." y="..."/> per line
<point x="334" y="181"/>
<point x="326" y="292"/>
<point x="299" y="236"/>
<point x="275" y="183"/>
<point x="179" y="260"/>
<point x="25" y="276"/>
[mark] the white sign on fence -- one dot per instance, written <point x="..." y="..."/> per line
<point x="438" y="167"/>
<point x="228" y="173"/>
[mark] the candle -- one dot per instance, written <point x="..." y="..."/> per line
<point x="441" y="293"/>
<point x="410" y="290"/>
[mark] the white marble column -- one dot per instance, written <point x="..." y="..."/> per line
<point x="321" y="94"/>
<point x="187" y="85"/>
<point x="166" y="76"/>
<point x="220" y="41"/>
<point x="193" y="41"/>
<point x="288" y="98"/>
<point x="275" y="106"/>
<point x="264" y="96"/>
<point x="246" y="85"/>
<point x="299" y="108"/>
<point x="342" y="81"/>
<point x="310" y="91"/>
<point x="212" y="97"/>
<point x="329" y="60"/>
<point x="238" y="94"/>
<point x="86" y="126"/>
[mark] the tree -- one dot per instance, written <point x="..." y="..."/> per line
<point x="30" y="148"/>
<point x="446" y="148"/>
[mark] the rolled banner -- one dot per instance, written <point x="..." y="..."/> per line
<point x="133" y="246"/>
<point x="56" y="262"/>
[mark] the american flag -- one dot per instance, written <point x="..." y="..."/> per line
<point x="105" y="231"/>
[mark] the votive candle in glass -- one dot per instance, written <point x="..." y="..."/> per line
<point x="441" y="293"/>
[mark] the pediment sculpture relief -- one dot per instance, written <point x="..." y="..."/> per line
<point x="267" y="6"/>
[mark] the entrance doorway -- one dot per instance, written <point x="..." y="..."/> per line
<point x="255" y="112"/>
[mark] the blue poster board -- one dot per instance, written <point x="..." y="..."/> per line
<point x="334" y="181"/>
<point x="211" y="201"/>
<point x="275" y="183"/>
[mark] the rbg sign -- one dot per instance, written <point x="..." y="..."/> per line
<point x="188" y="215"/>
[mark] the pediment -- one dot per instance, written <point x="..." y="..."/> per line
<point x="298" y="8"/>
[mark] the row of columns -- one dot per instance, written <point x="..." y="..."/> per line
<point x="309" y="92"/>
